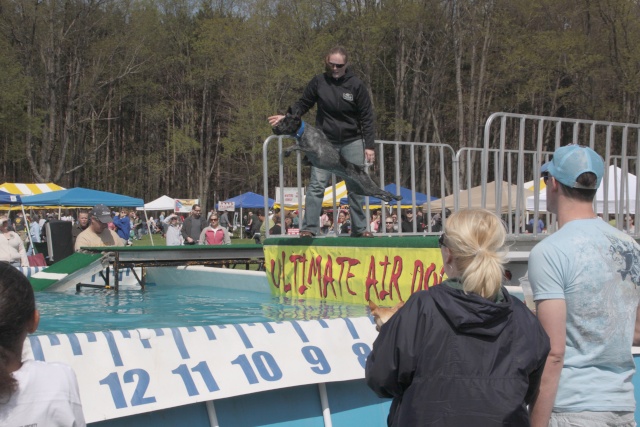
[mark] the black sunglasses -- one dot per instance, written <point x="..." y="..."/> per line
<point x="545" y="177"/>
<point x="441" y="241"/>
<point x="332" y="65"/>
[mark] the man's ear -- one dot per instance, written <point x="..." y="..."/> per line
<point x="35" y="321"/>
<point x="554" y="183"/>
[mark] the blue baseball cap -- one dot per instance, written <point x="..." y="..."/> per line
<point x="571" y="161"/>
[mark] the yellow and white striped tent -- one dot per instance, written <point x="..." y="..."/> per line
<point x="341" y="191"/>
<point x="29" y="189"/>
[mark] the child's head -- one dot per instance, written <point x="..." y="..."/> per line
<point x="18" y="317"/>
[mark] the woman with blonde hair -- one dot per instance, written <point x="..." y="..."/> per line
<point x="464" y="352"/>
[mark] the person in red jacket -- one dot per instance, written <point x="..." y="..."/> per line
<point x="214" y="234"/>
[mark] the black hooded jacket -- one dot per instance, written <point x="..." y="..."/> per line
<point x="455" y="359"/>
<point x="344" y="112"/>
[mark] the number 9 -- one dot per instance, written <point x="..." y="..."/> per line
<point x="315" y="356"/>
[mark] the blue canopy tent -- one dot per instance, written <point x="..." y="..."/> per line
<point x="249" y="200"/>
<point x="9" y="199"/>
<point x="83" y="197"/>
<point x="406" y="201"/>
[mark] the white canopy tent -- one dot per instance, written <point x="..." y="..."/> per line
<point x="162" y="203"/>
<point x="473" y="198"/>
<point x="615" y="193"/>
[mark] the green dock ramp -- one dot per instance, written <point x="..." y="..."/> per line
<point x="68" y="272"/>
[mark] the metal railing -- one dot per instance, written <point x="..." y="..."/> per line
<point x="542" y="135"/>
<point x="514" y="148"/>
<point x="424" y="166"/>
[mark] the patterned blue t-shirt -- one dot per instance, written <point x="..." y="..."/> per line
<point x="595" y="268"/>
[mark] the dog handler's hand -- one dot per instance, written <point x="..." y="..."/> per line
<point x="369" y="156"/>
<point x="273" y="120"/>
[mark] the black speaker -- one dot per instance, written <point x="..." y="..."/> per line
<point x="59" y="240"/>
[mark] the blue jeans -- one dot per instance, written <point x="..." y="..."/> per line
<point x="320" y="179"/>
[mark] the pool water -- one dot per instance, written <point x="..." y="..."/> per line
<point x="160" y="306"/>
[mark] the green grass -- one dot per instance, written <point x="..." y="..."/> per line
<point x="158" y="240"/>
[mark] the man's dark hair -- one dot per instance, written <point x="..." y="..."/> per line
<point x="260" y="212"/>
<point x="587" y="179"/>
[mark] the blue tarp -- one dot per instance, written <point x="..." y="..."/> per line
<point x="249" y="200"/>
<point x="9" y="199"/>
<point x="81" y="197"/>
<point x="406" y="201"/>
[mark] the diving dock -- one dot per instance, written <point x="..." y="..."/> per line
<point x="71" y="271"/>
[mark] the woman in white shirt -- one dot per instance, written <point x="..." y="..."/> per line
<point x="11" y="246"/>
<point x="32" y="393"/>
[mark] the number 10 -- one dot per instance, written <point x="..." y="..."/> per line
<point x="261" y="359"/>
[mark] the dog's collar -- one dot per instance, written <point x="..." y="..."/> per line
<point x="300" y="131"/>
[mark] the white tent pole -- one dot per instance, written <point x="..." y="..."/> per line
<point x="24" y="215"/>
<point x="148" y="227"/>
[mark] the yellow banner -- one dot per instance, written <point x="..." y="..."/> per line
<point x="385" y="276"/>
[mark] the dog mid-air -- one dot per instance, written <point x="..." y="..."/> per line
<point x="381" y="315"/>
<point x="323" y="155"/>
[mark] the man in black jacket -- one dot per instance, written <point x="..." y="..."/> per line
<point x="346" y="117"/>
<point x="193" y="226"/>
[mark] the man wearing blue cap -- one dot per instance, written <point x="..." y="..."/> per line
<point x="585" y="280"/>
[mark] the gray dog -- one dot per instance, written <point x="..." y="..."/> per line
<point x="323" y="155"/>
